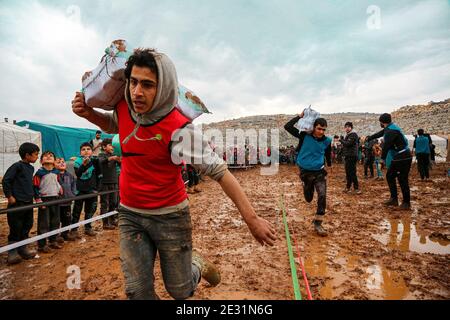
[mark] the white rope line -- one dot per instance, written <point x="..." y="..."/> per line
<point x="54" y="232"/>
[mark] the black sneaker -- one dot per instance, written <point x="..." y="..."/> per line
<point x="26" y="253"/>
<point x="392" y="202"/>
<point x="45" y="249"/>
<point x="13" y="257"/>
<point x="55" y="245"/>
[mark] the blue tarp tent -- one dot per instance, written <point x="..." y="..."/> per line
<point x="63" y="141"/>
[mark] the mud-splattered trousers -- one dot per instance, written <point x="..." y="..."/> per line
<point x="141" y="237"/>
<point x="315" y="180"/>
<point x="399" y="169"/>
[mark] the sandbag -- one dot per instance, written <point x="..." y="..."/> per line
<point x="189" y="104"/>
<point x="307" y="122"/>
<point x="104" y="86"/>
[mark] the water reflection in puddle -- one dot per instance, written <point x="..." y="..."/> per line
<point x="389" y="284"/>
<point x="380" y="282"/>
<point x="404" y="235"/>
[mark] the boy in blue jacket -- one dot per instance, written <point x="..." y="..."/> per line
<point x="312" y="150"/>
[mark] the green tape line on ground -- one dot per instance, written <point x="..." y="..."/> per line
<point x="297" y="294"/>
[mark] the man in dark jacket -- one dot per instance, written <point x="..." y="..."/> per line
<point x="18" y="189"/>
<point x="350" y="153"/>
<point x="369" y="157"/>
<point x="398" y="160"/>
<point x="312" y="150"/>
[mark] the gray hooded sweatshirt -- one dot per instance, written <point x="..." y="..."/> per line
<point x="204" y="160"/>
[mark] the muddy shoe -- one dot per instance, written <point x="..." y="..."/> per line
<point x="69" y="237"/>
<point x="44" y="249"/>
<point x="60" y="240"/>
<point x="405" y="206"/>
<point x="26" y="253"/>
<point x="55" y="245"/>
<point x="209" y="271"/>
<point x="13" y="257"/>
<point x="392" y="202"/>
<point x="358" y="191"/>
<point x="90" y="232"/>
<point x="75" y="234"/>
<point x="190" y="191"/>
<point x="107" y="226"/>
<point x="346" y="190"/>
<point x="319" y="229"/>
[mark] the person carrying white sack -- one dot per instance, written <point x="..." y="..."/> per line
<point x="313" y="148"/>
<point x="154" y="209"/>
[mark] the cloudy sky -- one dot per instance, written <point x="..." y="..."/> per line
<point x="241" y="57"/>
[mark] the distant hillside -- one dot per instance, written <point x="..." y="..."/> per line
<point x="433" y="117"/>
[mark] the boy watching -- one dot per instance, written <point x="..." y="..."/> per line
<point x="47" y="188"/>
<point x="88" y="175"/>
<point x="68" y="183"/>
<point x="377" y="153"/>
<point x="18" y="188"/>
<point x="108" y="164"/>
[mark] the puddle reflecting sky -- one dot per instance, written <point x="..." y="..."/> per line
<point x="404" y="235"/>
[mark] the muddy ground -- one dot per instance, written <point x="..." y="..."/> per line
<point x="371" y="252"/>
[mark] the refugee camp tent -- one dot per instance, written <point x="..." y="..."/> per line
<point x="12" y="136"/>
<point x="63" y="141"/>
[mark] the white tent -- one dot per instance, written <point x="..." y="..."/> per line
<point x="11" y="137"/>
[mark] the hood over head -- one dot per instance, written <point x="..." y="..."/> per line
<point x="166" y="94"/>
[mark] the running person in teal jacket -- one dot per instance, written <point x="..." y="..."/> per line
<point x="312" y="150"/>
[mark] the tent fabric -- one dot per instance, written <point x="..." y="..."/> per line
<point x="63" y="141"/>
<point x="12" y="136"/>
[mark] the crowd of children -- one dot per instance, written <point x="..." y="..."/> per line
<point x="53" y="182"/>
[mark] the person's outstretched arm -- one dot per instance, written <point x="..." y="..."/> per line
<point x="377" y="135"/>
<point x="289" y="127"/>
<point x="208" y="163"/>
<point x="259" y="227"/>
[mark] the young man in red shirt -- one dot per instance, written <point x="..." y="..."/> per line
<point x="154" y="210"/>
